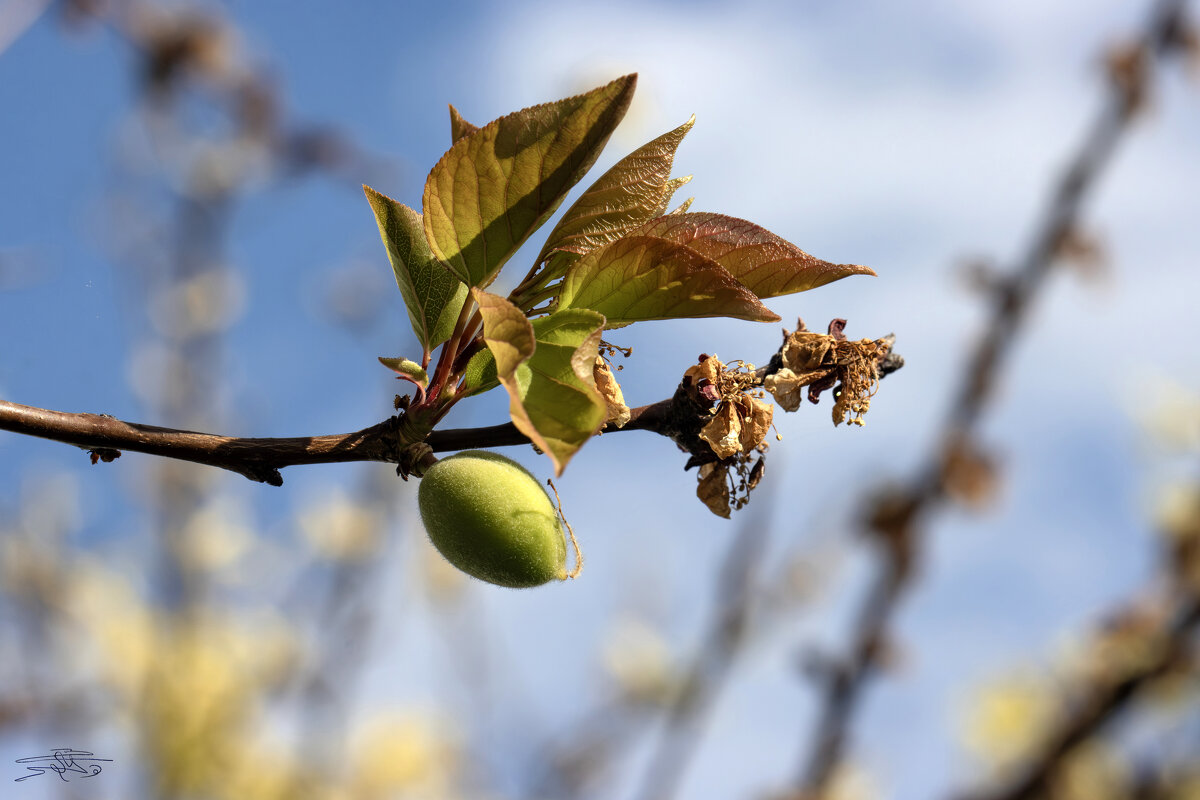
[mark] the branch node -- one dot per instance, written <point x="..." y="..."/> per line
<point x="263" y="474"/>
<point x="105" y="454"/>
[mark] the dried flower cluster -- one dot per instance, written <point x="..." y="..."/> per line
<point x="735" y="430"/>
<point x="824" y="361"/>
<point x="738" y="417"/>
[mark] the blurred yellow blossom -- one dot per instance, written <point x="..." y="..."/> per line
<point x="1008" y="718"/>
<point x="121" y="628"/>
<point x="258" y="772"/>
<point x="215" y="536"/>
<point x="340" y="529"/>
<point x="201" y="696"/>
<point x="190" y="683"/>
<point x="411" y="753"/>
<point x="1174" y="419"/>
<point x="851" y="782"/>
<point x="638" y="660"/>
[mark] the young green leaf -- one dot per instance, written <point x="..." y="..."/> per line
<point x="566" y="327"/>
<point x="480" y="373"/>
<point x="552" y="395"/>
<point x="506" y="331"/>
<point x="636" y="189"/>
<point x="409" y="370"/>
<point x="644" y="277"/>
<point x="497" y="185"/>
<point x="569" y="326"/>
<point x="459" y="127"/>
<point x="764" y="263"/>
<point x="431" y="294"/>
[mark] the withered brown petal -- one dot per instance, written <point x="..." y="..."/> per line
<point x="786" y="387"/>
<point x="708" y="367"/>
<point x="756" y="472"/>
<point x="610" y="390"/>
<point x="724" y="431"/>
<point x="805" y="351"/>
<point x="713" y="488"/>
<point x="756" y="421"/>
<point x="825" y="382"/>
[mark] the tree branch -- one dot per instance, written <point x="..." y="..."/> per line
<point x="679" y="418"/>
<point x="260" y="459"/>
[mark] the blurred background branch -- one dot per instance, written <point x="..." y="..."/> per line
<point x="895" y="519"/>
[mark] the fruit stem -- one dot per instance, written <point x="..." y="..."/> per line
<point x="578" y="568"/>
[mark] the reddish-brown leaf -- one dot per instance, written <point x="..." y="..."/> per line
<point x="764" y="263"/>
<point x="644" y="277"/>
<point x="635" y="190"/>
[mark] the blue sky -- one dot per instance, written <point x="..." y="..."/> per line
<point x="904" y="137"/>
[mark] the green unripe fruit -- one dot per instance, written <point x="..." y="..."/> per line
<point x="492" y="519"/>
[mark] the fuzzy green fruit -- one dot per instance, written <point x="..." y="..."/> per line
<point x="492" y="519"/>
